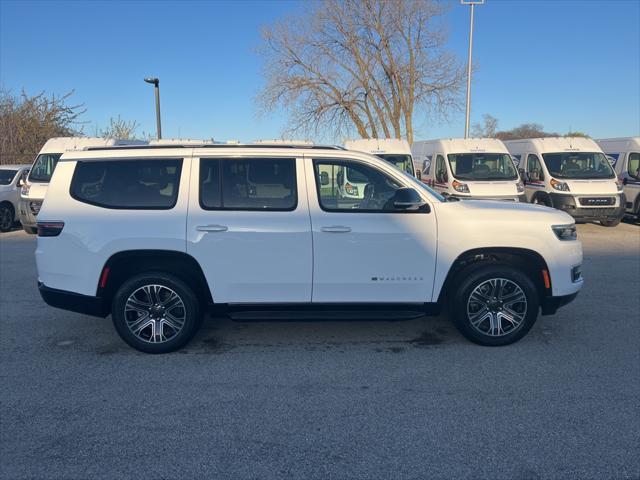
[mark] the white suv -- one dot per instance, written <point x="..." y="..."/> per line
<point x="154" y="236"/>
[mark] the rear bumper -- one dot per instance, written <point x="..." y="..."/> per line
<point x="550" y="305"/>
<point x="72" y="301"/>
<point x="567" y="203"/>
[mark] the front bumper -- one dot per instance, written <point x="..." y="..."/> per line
<point x="550" y="305"/>
<point x="567" y="203"/>
<point x="72" y="301"/>
<point x="25" y="214"/>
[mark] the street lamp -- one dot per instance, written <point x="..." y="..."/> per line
<point x="156" y="84"/>
<point x="471" y="3"/>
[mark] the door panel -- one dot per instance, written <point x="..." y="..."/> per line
<point x="362" y="254"/>
<point x="252" y="247"/>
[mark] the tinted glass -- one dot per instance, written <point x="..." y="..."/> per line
<point x="403" y="162"/>
<point x="6" y="176"/>
<point x="374" y="193"/>
<point x="129" y="184"/>
<point x="578" y="165"/>
<point x="534" y="168"/>
<point x="248" y="184"/>
<point x="634" y="165"/>
<point x="43" y="167"/>
<point x="442" y="176"/>
<point x="482" y="166"/>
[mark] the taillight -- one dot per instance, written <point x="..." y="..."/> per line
<point x="50" y="229"/>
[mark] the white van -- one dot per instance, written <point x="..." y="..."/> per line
<point x="624" y="156"/>
<point x="392" y="150"/>
<point x="35" y="187"/>
<point x="571" y="174"/>
<point x="469" y="168"/>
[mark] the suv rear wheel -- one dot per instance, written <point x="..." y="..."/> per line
<point x="156" y="312"/>
<point x="495" y="305"/>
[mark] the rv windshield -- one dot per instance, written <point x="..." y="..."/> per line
<point x="6" y="176"/>
<point x="43" y="167"/>
<point x="403" y="162"/>
<point x="482" y="166"/>
<point x="578" y="165"/>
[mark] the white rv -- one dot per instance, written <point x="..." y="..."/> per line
<point x="469" y="168"/>
<point x="624" y="156"/>
<point x="35" y="187"/>
<point x="571" y="174"/>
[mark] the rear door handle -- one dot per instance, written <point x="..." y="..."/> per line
<point x="212" y="228"/>
<point x="336" y="229"/>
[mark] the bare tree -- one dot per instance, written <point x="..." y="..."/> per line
<point x="487" y="129"/>
<point x="26" y="122"/>
<point x="119" y="128"/>
<point x="369" y="66"/>
<point x="526" y="130"/>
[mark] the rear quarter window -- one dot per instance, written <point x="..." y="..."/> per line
<point x="145" y="184"/>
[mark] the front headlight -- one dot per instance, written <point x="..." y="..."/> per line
<point x="520" y="187"/>
<point x="460" y="187"/>
<point x="565" y="232"/>
<point x="562" y="186"/>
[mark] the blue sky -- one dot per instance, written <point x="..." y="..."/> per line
<point x="566" y="64"/>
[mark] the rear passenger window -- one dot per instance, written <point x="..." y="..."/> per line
<point x="248" y="184"/>
<point x="128" y="184"/>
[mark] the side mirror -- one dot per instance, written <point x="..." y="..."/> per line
<point x="324" y="178"/>
<point x="419" y="174"/>
<point x="625" y="180"/>
<point x="408" y="199"/>
<point x="534" y="175"/>
<point x="20" y="182"/>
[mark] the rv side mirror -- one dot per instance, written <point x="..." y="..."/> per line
<point x="324" y="178"/>
<point x="625" y="180"/>
<point x="419" y="174"/>
<point x="408" y="199"/>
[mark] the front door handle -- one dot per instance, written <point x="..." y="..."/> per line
<point x="212" y="228"/>
<point x="336" y="229"/>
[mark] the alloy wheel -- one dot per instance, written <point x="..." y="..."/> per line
<point x="155" y="313"/>
<point x="497" y="307"/>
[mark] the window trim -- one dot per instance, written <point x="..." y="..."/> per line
<point x="245" y="209"/>
<point x="339" y="161"/>
<point x="129" y="159"/>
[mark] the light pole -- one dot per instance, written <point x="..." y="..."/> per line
<point x="156" y="84"/>
<point x="471" y="3"/>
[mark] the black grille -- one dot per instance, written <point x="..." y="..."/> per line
<point x="597" y="201"/>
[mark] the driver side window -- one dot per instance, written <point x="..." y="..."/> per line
<point x="534" y="168"/>
<point x="345" y="186"/>
<point x="442" y="175"/>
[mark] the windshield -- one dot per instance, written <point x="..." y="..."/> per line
<point x="578" y="165"/>
<point x="7" y="176"/>
<point x="403" y="162"/>
<point x="482" y="166"/>
<point x="43" y="167"/>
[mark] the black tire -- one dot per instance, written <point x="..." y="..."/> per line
<point x="542" y="200"/>
<point x="7" y="217"/>
<point x="190" y="310"/>
<point x="611" y="223"/>
<point x="30" y="230"/>
<point x="476" y="277"/>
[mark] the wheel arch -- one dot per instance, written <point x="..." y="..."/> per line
<point x="122" y="265"/>
<point x="529" y="261"/>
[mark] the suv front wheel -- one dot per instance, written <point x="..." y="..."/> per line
<point x="495" y="305"/>
<point x="156" y="312"/>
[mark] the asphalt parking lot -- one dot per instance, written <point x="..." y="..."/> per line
<point x="326" y="400"/>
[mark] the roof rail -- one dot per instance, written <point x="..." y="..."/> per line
<point x="217" y="145"/>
